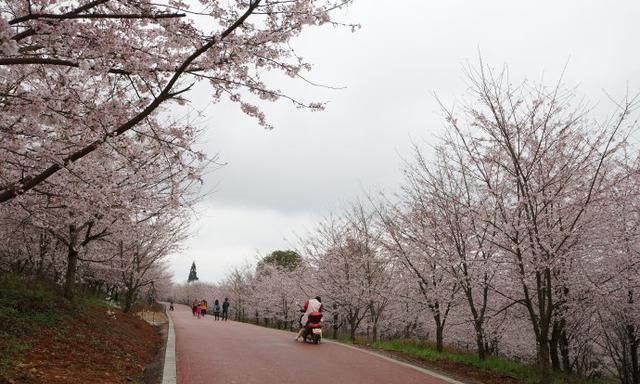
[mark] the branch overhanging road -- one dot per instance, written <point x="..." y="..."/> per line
<point x="209" y="351"/>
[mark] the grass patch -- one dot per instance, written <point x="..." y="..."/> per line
<point x="45" y="338"/>
<point x="425" y="351"/>
<point x="25" y="308"/>
<point x="501" y="367"/>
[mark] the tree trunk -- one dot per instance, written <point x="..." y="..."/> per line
<point x="375" y="319"/>
<point x="437" y="318"/>
<point x="335" y="325"/>
<point x="374" y="332"/>
<point x="544" y="365"/>
<point x="564" y="351"/>
<point x="352" y="328"/>
<point x="482" y="352"/>
<point x="70" y="277"/>
<point x="128" y="300"/>
<point x="634" y="345"/>
<point x="439" y="329"/>
<point x="43" y="253"/>
<point x="410" y="328"/>
<point x="553" y="345"/>
<point x="439" y="337"/>
<point x="72" y="263"/>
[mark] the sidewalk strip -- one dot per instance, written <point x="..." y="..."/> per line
<point x="169" y="371"/>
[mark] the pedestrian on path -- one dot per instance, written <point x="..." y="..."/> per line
<point x="203" y="307"/>
<point x="194" y="305"/>
<point x="216" y="310"/>
<point x="198" y="309"/>
<point x="225" y="309"/>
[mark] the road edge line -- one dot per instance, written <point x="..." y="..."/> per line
<point x="420" y="369"/>
<point x="169" y="370"/>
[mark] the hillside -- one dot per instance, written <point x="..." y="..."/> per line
<point x="45" y="339"/>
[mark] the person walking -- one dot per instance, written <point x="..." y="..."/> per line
<point x="198" y="309"/>
<point x="194" y="305"/>
<point x="203" y="308"/>
<point x="216" y="310"/>
<point x="225" y="309"/>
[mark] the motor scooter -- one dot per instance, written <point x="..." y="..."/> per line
<point x="313" y="328"/>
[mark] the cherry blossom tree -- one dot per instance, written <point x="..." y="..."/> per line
<point x="461" y="237"/>
<point x="411" y="239"/>
<point x="79" y="207"/>
<point x="551" y="159"/>
<point x="611" y="273"/>
<point x="77" y="75"/>
<point x="377" y="266"/>
<point x="349" y="269"/>
<point x="84" y="86"/>
<point x="239" y="287"/>
<point x="140" y="260"/>
<point x="26" y="249"/>
<point x="277" y="294"/>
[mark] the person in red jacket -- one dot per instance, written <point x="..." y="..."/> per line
<point x="311" y="305"/>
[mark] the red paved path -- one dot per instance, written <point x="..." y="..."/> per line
<point x="209" y="351"/>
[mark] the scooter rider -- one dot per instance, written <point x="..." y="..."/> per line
<point x="311" y="305"/>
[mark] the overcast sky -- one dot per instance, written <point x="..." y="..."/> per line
<point x="277" y="184"/>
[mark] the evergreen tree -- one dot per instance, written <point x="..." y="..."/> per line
<point x="285" y="259"/>
<point x="193" y="275"/>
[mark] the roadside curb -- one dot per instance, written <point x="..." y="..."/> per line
<point x="169" y="370"/>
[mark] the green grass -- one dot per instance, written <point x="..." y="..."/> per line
<point x="32" y="309"/>
<point x="525" y="373"/>
<point x="25" y="308"/>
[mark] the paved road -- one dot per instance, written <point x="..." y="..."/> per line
<point x="209" y="351"/>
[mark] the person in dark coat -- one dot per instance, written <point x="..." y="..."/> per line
<point x="225" y="309"/>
